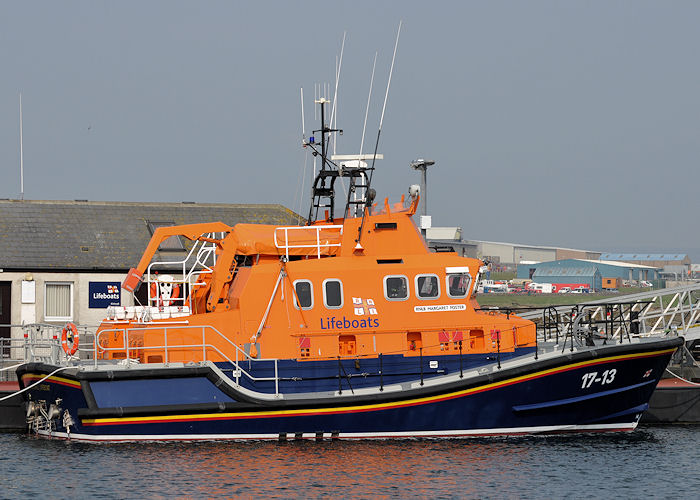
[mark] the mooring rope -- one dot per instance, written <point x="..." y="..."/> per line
<point x="10" y="367"/>
<point x="35" y="383"/>
<point x="677" y="376"/>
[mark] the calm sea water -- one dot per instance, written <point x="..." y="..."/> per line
<point x="652" y="462"/>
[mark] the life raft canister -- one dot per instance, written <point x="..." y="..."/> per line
<point x="70" y="339"/>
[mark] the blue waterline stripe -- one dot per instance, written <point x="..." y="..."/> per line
<point x="562" y="402"/>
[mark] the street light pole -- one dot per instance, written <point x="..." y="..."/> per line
<point x="422" y="165"/>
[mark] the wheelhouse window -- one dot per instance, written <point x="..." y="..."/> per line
<point x="396" y="287"/>
<point x="458" y="284"/>
<point x="58" y="301"/>
<point x="333" y="294"/>
<point x="304" y="294"/>
<point x="427" y="286"/>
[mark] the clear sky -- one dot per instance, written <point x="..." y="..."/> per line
<point x="556" y="123"/>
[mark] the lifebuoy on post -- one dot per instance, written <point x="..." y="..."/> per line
<point x="70" y="339"/>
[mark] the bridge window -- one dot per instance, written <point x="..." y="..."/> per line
<point x="427" y="286"/>
<point x="458" y="285"/>
<point x="333" y="294"/>
<point x="395" y="287"/>
<point x="304" y="294"/>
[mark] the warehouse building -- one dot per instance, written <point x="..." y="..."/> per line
<point x="65" y="261"/>
<point x="670" y="264"/>
<point x="511" y="254"/>
<point x="606" y="269"/>
<point x="570" y="272"/>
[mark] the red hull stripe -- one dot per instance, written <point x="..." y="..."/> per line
<point x="29" y="378"/>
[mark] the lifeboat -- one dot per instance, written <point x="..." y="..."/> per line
<point x="346" y="327"/>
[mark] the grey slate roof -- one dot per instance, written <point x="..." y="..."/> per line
<point x="106" y="236"/>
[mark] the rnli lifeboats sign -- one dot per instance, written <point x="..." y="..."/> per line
<point x="104" y="294"/>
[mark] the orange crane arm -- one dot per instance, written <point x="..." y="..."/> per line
<point x="189" y="231"/>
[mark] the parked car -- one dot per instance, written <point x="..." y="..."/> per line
<point x="565" y="289"/>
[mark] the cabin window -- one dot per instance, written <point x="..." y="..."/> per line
<point x="427" y="286"/>
<point x="58" y="302"/>
<point x="458" y="284"/>
<point x="395" y="287"/>
<point x="333" y="294"/>
<point x="304" y="294"/>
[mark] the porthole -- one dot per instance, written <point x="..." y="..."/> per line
<point x="458" y="285"/>
<point x="395" y="287"/>
<point x="303" y="294"/>
<point x="427" y="286"/>
<point x="332" y="294"/>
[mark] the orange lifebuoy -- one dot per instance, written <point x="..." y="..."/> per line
<point x="70" y="339"/>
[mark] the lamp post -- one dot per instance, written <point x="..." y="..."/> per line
<point x="422" y="165"/>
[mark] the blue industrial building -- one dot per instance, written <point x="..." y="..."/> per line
<point x="571" y="271"/>
<point x="563" y="271"/>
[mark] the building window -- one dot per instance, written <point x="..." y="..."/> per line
<point x="458" y="285"/>
<point x="304" y="294"/>
<point x="395" y="287"/>
<point x="333" y="294"/>
<point x="58" y="302"/>
<point x="427" y="286"/>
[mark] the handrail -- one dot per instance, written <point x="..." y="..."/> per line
<point x="286" y="246"/>
<point x="201" y="251"/>
<point x="207" y="346"/>
<point x="204" y="345"/>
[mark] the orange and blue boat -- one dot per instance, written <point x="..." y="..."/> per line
<point x="347" y="327"/>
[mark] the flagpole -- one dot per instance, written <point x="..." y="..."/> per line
<point x="21" y="152"/>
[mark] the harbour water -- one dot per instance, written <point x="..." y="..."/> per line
<point x="652" y="462"/>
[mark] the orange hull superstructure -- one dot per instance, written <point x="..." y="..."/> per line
<point x="373" y="304"/>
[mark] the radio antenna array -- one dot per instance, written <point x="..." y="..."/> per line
<point x="376" y="144"/>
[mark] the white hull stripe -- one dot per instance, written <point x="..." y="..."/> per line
<point x="507" y="431"/>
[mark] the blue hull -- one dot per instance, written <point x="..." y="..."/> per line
<point x="601" y="389"/>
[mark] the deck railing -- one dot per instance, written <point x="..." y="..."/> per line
<point x="168" y="347"/>
<point x="331" y="238"/>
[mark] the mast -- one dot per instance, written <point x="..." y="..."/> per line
<point x="323" y="193"/>
<point x="21" y="152"/>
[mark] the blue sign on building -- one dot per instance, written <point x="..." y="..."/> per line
<point x="104" y="294"/>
